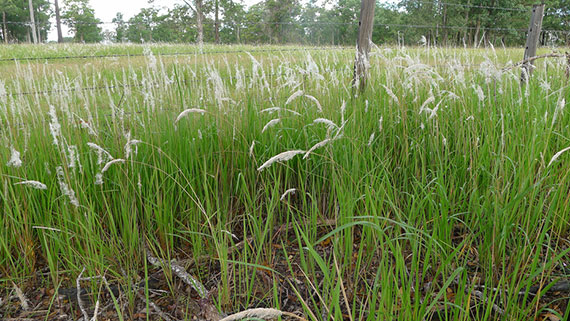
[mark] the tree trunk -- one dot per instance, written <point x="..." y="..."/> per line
<point x="476" y="34"/>
<point x="465" y="38"/>
<point x="58" y="23"/>
<point x="444" y="22"/>
<point x="238" y="36"/>
<point x="4" y="28"/>
<point x="199" y="24"/>
<point x="365" y="24"/>
<point x="217" y="23"/>
<point x="33" y="21"/>
<point x="38" y="32"/>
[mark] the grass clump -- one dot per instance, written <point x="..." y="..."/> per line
<point x="439" y="193"/>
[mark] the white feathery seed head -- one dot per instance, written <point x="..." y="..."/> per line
<point x="65" y="189"/>
<point x="370" y="140"/>
<point x="99" y="179"/>
<point x="313" y="99"/>
<point x="296" y="94"/>
<point x="54" y="126"/>
<point x="329" y="123"/>
<point x="555" y="157"/>
<point x="282" y="157"/>
<point x="102" y="154"/>
<point x="251" y="148"/>
<point x="33" y="184"/>
<point x="188" y="111"/>
<point x="287" y="192"/>
<point x="254" y="314"/>
<point x="316" y="146"/>
<point x="15" y="160"/>
<point x="270" y="124"/>
<point x="110" y="163"/>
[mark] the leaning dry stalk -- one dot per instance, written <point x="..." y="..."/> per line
<point x="282" y="157"/>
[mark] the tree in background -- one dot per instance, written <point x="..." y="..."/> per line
<point x="282" y="16"/>
<point x="16" y="26"/>
<point x="141" y="26"/>
<point x="120" y="28"/>
<point x="198" y="9"/>
<point x="556" y="17"/>
<point x="80" y="18"/>
<point x="8" y="10"/>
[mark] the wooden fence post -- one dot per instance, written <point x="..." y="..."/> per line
<point x="532" y="40"/>
<point x="363" y="43"/>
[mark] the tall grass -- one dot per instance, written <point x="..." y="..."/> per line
<point x="433" y="193"/>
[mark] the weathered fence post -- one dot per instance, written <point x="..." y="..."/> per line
<point x="532" y="40"/>
<point x="363" y="43"/>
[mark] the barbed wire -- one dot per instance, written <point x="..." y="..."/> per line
<point x="187" y="53"/>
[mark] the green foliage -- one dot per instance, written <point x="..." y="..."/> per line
<point x="18" y="13"/>
<point x="80" y="18"/>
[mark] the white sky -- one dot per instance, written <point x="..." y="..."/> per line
<point x="107" y="9"/>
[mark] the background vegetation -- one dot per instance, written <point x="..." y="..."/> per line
<point x="330" y="22"/>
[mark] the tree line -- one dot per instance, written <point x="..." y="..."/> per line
<point x="332" y="22"/>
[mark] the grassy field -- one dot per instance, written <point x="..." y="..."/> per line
<point x="440" y="193"/>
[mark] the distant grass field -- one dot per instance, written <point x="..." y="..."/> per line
<point x="440" y="193"/>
